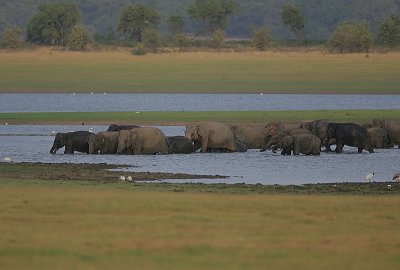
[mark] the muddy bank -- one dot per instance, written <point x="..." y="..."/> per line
<point x="99" y="173"/>
<point x="84" y="172"/>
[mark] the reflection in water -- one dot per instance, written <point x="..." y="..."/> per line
<point x="250" y="167"/>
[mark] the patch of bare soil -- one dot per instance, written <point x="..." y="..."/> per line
<point x="85" y="172"/>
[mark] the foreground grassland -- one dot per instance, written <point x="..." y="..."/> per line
<point x="84" y="225"/>
<point x="167" y="118"/>
<point x="51" y="70"/>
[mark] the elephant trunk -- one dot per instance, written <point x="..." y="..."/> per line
<point x="53" y="149"/>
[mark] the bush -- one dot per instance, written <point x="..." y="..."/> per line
<point x="151" y="40"/>
<point x="389" y="31"/>
<point x="182" y="42"/>
<point x="217" y="40"/>
<point x="13" y="38"/>
<point x="260" y="38"/>
<point x="139" y="50"/>
<point x="351" y="37"/>
<point x="78" y="39"/>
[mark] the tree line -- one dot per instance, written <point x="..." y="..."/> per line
<point x="138" y="24"/>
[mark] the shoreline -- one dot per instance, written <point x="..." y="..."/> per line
<point x="42" y="173"/>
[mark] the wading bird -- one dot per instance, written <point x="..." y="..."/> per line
<point x="369" y="177"/>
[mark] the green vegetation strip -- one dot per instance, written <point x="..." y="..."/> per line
<point x="185" y="117"/>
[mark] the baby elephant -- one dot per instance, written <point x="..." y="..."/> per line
<point x="181" y="145"/>
<point x="307" y="144"/>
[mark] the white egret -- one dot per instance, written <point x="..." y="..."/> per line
<point x="7" y="159"/>
<point x="129" y="178"/>
<point x="90" y="129"/>
<point x="122" y="178"/>
<point x="369" y="177"/>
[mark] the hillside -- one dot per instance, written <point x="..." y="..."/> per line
<point x="101" y="16"/>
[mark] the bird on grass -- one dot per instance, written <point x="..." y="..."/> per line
<point x="396" y="177"/>
<point x="129" y="178"/>
<point x="7" y="159"/>
<point x="122" y="178"/>
<point x="369" y="177"/>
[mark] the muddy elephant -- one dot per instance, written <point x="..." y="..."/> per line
<point x="181" y="145"/>
<point x="379" y="138"/>
<point x="73" y="141"/>
<point x="307" y="144"/>
<point x="104" y="142"/>
<point x="252" y="137"/>
<point x="211" y="135"/>
<point x="349" y="134"/>
<point x="115" y="127"/>
<point x="392" y="127"/>
<point x="138" y="141"/>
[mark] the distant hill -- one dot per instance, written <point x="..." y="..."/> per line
<point x="322" y="16"/>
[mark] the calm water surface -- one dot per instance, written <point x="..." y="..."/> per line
<point x="191" y="102"/>
<point x="250" y="167"/>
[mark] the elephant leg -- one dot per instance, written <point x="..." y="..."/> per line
<point x="339" y="147"/>
<point x="69" y="148"/>
<point x="360" y="149"/>
<point x="137" y="148"/>
<point x="204" y="144"/>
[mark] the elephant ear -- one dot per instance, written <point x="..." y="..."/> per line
<point x="202" y="131"/>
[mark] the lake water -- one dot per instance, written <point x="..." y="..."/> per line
<point x="250" y="167"/>
<point x="191" y="102"/>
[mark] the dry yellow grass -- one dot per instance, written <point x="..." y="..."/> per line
<point x="47" y="225"/>
<point x="48" y="70"/>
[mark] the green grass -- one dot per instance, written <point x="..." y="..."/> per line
<point x="82" y="225"/>
<point x="46" y="70"/>
<point x="185" y="117"/>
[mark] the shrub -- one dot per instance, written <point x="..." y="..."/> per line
<point x="351" y="37"/>
<point x="151" y="40"/>
<point x="217" y="40"/>
<point x="182" y="42"/>
<point x="389" y="31"/>
<point x="260" y="38"/>
<point x="139" y="50"/>
<point x="78" y="39"/>
<point x="13" y="37"/>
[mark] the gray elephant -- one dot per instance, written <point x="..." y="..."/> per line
<point x="73" y="141"/>
<point x="250" y="136"/>
<point x="392" y="127"/>
<point x="379" y="138"/>
<point x="349" y="134"/>
<point x="307" y="144"/>
<point x="115" y="127"/>
<point x="146" y="140"/>
<point x="105" y="142"/>
<point x="211" y="135"/>
<point x="181" y="145"/>
<point x="318" y="128"/>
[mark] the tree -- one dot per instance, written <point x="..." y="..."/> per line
<point x="260" y="38"/>
<point x="182" y="42"/>
<point x="212" y="13"/>
<point x="135" y="19"/>
<point x="52" y="24"/>
<point x="389" y="31"/>
<point x="351" y="37"/>
<point x="292" y="17"/>
<point x="13" y="37"/>
<point x="175" y="25"/>
<point x="78" y="39"/>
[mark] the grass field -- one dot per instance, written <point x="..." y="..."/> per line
<point x="50" y="70"/>
<point x="165" y="118"/>
<point x="81" y="225"/>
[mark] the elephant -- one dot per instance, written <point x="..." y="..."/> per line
<point x="252" y="137"/>
<point x="146" y="140"/>
<point x="106" y="142"/>
<point x="115" y="127"/>
<point x="275" y="139"/>
<point x="392" y="127"/>
<point x="307" y="144"/>
<point x="349" y="134"/>
<point x="211" y="135"/>
<point x="318" y="128"/>
<point x="379" y="138"/>
<point x="181" y="145"/>
<point x="73" y="141"/>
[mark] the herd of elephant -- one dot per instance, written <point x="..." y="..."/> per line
<point x="307" y="138"/>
